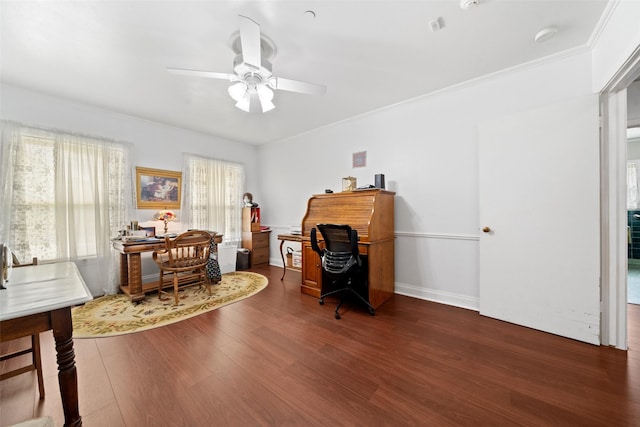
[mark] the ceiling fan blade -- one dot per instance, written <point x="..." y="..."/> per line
<point x="208" y="74"/>
<point x="297" y="86"/>
<point x="250" y="41"/>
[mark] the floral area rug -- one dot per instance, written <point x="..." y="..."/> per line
<point x="116" y="315"/>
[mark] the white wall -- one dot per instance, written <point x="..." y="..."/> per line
<point x="428" y="150"/>
<point x="633" y="119"/>
<point x="156" y="145"/>
<point x="633" y="104"/>
<point x="633" y="149"/>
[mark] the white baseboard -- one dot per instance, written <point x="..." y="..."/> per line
<point x="448" y="298"/>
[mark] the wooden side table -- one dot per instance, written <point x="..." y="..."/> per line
<point x="39" y="298"/>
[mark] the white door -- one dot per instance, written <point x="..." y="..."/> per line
<point x="539" y="197"/>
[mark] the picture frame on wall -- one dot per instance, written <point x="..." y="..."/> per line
<point x="158" y="189"/>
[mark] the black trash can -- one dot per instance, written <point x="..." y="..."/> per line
<point x="243" y="259"/>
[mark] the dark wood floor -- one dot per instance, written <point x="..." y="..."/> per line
<point x="279" y="358"/>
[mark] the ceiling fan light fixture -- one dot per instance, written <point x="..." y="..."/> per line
<point x="237" y="90"/>
<point x="265" y="93"/>
<point x="265" y="96"/>
<point x="252" y="82"/>
<point x="244" y="103"/>
<point x="267" y="106"/>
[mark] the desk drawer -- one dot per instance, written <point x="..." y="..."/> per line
<point x="260" y="240"/>
<point x="260" y="256"/>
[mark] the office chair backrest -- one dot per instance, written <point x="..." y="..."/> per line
<point x="341" y="247"/>
<point x="337" y="237"/>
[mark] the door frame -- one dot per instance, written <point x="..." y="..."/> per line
<point x="613" y="206"/>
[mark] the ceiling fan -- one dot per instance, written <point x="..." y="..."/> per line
<point x="253" y="84"/>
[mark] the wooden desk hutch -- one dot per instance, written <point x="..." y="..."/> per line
<point x="371" y="213"/>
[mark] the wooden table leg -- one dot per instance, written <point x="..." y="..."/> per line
<point x="124" y="270"/>
<point x="284" y="264"/>
<point x="135" y="277"/>
<point x="67" y="375"/>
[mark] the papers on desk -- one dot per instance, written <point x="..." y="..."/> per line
<point x="170" y="235"/>
<point x="137" y="239"/>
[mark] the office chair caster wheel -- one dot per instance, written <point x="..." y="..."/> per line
<point x="372" y="312"/>
<point x="337" y="315"/>
<point x="321" y="301"/>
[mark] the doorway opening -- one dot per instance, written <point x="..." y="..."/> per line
<point x="633" y="193"/>
<point x="620" y="324"/>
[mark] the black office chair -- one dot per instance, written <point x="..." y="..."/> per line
<point x="341" y="262"/>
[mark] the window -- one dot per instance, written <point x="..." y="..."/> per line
<point x="66" y="195"/>
<point x="213" y="196"/>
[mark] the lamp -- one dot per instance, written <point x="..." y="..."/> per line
<point x="265" y="95"/>
<point x="251" y="92"/>
<point x="166" y="216"/>
<point x="237" y="90"/>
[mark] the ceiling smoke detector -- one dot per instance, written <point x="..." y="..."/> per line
<point x="545" y="34"/>
<point x="466" y="4"/>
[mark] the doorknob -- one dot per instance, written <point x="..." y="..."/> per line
<point x="486" y="229"/>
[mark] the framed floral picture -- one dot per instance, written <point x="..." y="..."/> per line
<point x="156" y="188"/>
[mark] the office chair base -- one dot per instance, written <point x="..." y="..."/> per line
<point x="372" y="310"/>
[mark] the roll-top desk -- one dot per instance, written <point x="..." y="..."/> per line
<point x="370" y="212"/>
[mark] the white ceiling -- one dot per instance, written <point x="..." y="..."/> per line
<point x="370" y="54"/>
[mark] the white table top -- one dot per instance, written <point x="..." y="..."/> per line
<point x="41" y="288"/>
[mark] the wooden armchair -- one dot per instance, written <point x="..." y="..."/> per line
<point x="34" y="349"/>
<point x="185" y="257"/>
<point x="16" y="261"/>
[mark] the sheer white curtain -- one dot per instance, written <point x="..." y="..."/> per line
<point x="213" y="196"/>
<point x="65" y="196"/>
